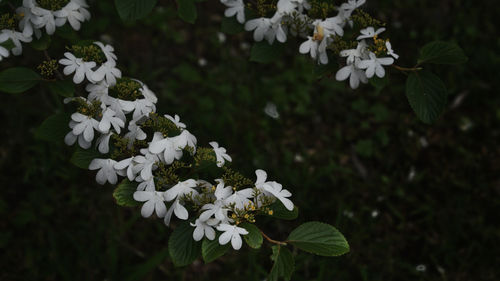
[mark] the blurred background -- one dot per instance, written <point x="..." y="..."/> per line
<point x="416" y="202"/>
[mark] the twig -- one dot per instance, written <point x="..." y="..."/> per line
<point x="272" y="240"/>
<point x="406" y="69"/>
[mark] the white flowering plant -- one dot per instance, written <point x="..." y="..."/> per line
<point x="154" y="161"/>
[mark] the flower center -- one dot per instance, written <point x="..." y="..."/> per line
<point x="88" y="53"/>
<point x="319" y="34"/>
<point x="126" y="89"/>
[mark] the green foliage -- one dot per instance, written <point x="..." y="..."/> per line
<point x="124" y="194"/>
<point x="82" y="157"/>
<point x="54" y="128"/>
<point x="212" y="250"/>
<point x="182" y="248"/>
<point x="63" y="88"/>
<point x="18" y="80"/>
<point x="186" y="9"/>
<point x="254" y="237"/>
<point x="140" y="271"/>
<point x="263" y="52"/>
<point x="41" y="44"/>
<point x="283" y="265"/>
<point x="280" y="212"/>
<point x="130" y="10"/>
<point x="231" y="26"/>
<point x="427" y="95"/>
<point x="319" y="238"/>
<point x="439" y="52"/>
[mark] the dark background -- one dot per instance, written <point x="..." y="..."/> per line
<point x="403" y="193"/>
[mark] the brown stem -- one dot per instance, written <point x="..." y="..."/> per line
<point x="406" y="69"/>
<point x="272" y="240"/>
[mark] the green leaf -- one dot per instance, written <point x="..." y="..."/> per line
<point x="319" y="238"/>
<point x="280" y="212"/>
<point x="54" y="128"/>
<point x="130" y="10"/>
<point x="18" y="79"/>
<point x="212" y="250"/>
<point x="254" y="237"/>
<point x="440" y="52"/>
<point x="181" y="246"/>
<point x="263" y="52"/>
<point x="427" y="95"/>
<point x="82" y="157"/>
<point x="284" y="264"/>
<point x="9" y="44"/>
<point x="124" y="194"/>
<point x="64" y="88"/>
<point x="140" y="271"/>
<point x="231" y="26"/>
<point x="41" y="44"/>
<point x="186" y="9"/>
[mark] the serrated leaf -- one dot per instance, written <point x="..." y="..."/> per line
<point x="42" y="43"/>
<point x="82" y="157"/>
<point x="263" y="52"/>
<point x="440" y="52"/>
<point x="284" y="264"/>
<point x="18" y="79"/>
<point x="231" y="26"/>
<point x="130" y="10"/>
<point x="186" y="9"/>
<point x="124" y="194"/>
<point x="279" y="211"/>
<point x="319" y="238"/>
<point x="427" y="95"/>
<point x="64" y="88"/>
<point x="212" y="250"/>
<point x="54" y="128"/>
<point x="182" y="248"/>
<point x="254" y="237"/>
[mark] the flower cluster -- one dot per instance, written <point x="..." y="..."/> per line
<point x="172" y="174"/>
<point x="323" y="32"/>
<point x="34" y="16"/>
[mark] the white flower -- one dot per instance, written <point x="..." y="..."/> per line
<point x="26" y="23"/>
<point x="73" y="13"/>
<point x="109" y="119"/>
<point x="369" y="32"/>
<point x="147" y="93"/>
<point x="98" y="91"/>
<point x="154" y="202"/>
<point x="374" y="65"/>
<point x="179" y="210"/>
<point x="4" y="53"/>
<point x="142" y="108"/>
<point x="84" y="125"/>
<point x="108" y="51"/>
<point x="145" y="164"/>
<point x="334" y="26"/>
<point x="180" y="189"/>
<point x="235" y="7"/>
<point x="350" y="6"/>
<point x="220" y="154"/>
<point x="148" y="185"/>
<point x="356" y="75"/>
<point x="103" y="143"/>
<point x="231" y="233"/>
<point x="106" y="173"/>
<point x="390" y="51"/>
<point x="240" y="198"/>
<point x="107" y="72"/>
<point x="44" y="18"/>
<point x="316" y="48"/>
<point x="17" y="38"/>
<point x="176" y="120"/>
<point x="217" y="209"/>
<point x="262" y="29"/>
<point x="271" y="110"/>
<point x="135" y="132"/>
<point x="203" y="228"/>
<point x="168" y="146"/>
<point x="277" y="191"/>
<point x="127" y="166"/>
<point x="81" y="68"/>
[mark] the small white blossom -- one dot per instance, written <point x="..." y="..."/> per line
<point x="17" y="38"/>
<point x="240" y="198"/>
<point x="390" y="51"/>
<point x="176" y="120"/>
<point x="44" y="18"/>
<point x="103" y="143"/>
<point x="154" y="203"/>
<point x="354" y="74"/>
<point x="370" y="32"/>
<point x="235" y="7"/>
<point x="106" y="173"/>
<point x="84" y="125"/>
<point x="81" y="68"/>
<point x="180" y="189"/>
<point x="220" y="154"/>
<point x="374" y="65"/>
<point x="107" y="72"/>
<point x="73" y="13"/>
<point x="231" y="233"/>
<point x="281" y="194"/>
<point x="108" y="50"/>
<point x="178" y="209"/>
<point x="109" y="119"/>
<point x="203" y="228"/>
